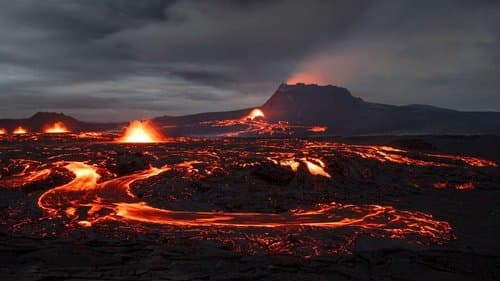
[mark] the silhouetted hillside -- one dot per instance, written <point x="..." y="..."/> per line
<point x="345" y="114"/>
<point x="40" y="120"/>
<point x="307" y="105"/>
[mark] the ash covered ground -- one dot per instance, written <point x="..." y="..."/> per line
<point x="384" y="208"/>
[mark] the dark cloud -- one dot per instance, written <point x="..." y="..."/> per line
<point x="122" y="59"/>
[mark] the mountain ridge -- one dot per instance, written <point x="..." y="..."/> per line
<point x="310" y="104"/>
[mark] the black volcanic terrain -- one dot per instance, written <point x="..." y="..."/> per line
<point x="365" y="208"/>
<point x="295" y="110"/>
<point x="290" y="190"/>
<point x="344" y="114"/>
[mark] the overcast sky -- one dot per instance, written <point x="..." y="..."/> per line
<point x="117" y="60"/>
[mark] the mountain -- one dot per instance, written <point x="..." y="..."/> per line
<point x="345" y="114"/>
<point x="40" y="120"/>
<point x="302" y="106"/>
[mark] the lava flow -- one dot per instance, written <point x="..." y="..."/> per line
<point x="316" y="167"/>
<point x="113" y="200"/>
<point x="249" y="194"/>
<point x="141" y="132"/>
<point x="57" y="128"/>
<point x="20" y="131"/>
<point x="254" y="123"/>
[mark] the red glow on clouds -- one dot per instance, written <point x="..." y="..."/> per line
<point x="307" y="77"/>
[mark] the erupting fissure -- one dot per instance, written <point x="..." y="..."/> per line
<point x="141" y="132"/>
<point x="255" y="113"/>
<point x="255" y="123"/>
<point x="20" y="131"/>
<point x="57" y="128"/>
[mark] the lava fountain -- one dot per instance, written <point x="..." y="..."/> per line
<point x="255" y="113"/>
<point x="141" y="132"/>
<point x="57" y="128"/>
<point x="20" y="131"/>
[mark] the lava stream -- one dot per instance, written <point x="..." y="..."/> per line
<point x="25" y="178"/>
<point x="114" y="196"/>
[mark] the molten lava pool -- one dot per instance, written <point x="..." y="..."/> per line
<point x="277" y="196"/>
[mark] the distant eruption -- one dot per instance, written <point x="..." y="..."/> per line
<point x="307" y="77"/>
<point x="20" y="131"/>
<point x="256" y="113"/>
<point x="141" y="132"/>
<point x="318" y="129"/>
<point x="57" y="128"/>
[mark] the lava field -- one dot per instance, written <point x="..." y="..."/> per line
<point x="199" y="200"/>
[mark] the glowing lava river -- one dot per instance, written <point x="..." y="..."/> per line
<point x="297" y="197"/>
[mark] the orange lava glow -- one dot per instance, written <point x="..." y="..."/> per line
<point x="318" y="129"/>
<point x="255" y="113"/>
<point x="255" y="124"/>
<point x="465" y="186"/>
<point x="399" y="156"/>
<point x="471" y="161"/>
<point x="316" y="167"/>
<point x="80" y="187"/>
<point x="308" y="77"/>
<point x="440" y="185"/>
<point x="141" y="132"/>
<point x="19" y="131"/>
<point x="57" y="128"/>
<point x="26" y="178"/>
<point x="3" y="131"/>
<point x="113" y="200"/>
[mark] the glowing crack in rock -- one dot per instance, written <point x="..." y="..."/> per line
<point x="316" y="167"/>
<point x="141" y="132"/>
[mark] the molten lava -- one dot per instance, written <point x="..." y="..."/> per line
<point x="3" y="131"/>
<point x="318" y="129"/>
<point x="113" y="200"/>
<point x="255" y="124"/>
<point x="19" y="131"/>
<point x="256" y="113"/>
<point x="172" y="198"/>
<point x="141" y="132"/>
<point x="57" y="128"/>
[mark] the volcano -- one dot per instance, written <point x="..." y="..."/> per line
<point x="41" y="120"/>
<point x="344" y="114"/>
<point x="300" y="110"/>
